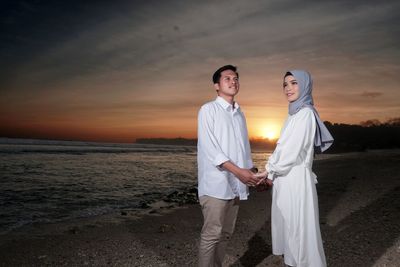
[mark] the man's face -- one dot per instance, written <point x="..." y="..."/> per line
<point x="228" y="85"/>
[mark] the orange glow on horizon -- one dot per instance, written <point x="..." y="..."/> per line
<point x="269" y="131"/>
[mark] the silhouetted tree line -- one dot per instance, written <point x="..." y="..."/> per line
<point x="262" y="144"/>
<point x="370" y="134"/>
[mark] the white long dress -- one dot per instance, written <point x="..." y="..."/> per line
<point x="294" y="212"/>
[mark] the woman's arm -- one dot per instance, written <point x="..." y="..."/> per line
<point x="299" y="135"/>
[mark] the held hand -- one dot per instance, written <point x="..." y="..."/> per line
<point x="262" y="175"/>
<point x="267" y="182"/>
<point x="263" y="179"/>
<point x="264" y="185"/>
<point x="247" y="177"/>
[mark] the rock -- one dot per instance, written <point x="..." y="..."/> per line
<point x="143" y="205"/>
<point x="73" y="230"/>
<point x="187" y="196"/>
<point x="166" y="228"/>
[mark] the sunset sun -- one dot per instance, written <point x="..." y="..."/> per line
<point x="270" y="131"/>
<point x="271" y="135"/>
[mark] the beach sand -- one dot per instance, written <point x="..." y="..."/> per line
<point x="359" y="198"/>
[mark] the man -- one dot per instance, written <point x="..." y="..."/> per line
<point x="224" y="166"/>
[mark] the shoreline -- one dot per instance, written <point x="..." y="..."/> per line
<point x="174" y="198"/>
<point x="359" y="209"/>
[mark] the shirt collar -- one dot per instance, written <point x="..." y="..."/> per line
<point x="226" y="105"/>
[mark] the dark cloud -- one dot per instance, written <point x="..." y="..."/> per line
<point x="156" y="57"/>
<point x="371" y="94"/>
<point x="52" y="42"/>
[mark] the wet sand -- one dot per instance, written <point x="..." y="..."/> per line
<point x="359" y="198"/>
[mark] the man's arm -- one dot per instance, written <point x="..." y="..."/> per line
<point x="246" y="176"/>
<point x="207" y="140"/>
<point x="212" y="150"/>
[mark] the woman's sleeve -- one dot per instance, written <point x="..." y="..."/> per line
<point x="299" y="135"/>
<point x="207" y="140"/>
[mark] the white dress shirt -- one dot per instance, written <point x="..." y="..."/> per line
<point x="222" y="136"/>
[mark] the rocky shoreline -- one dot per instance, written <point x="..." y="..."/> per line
<point x="359" y="209"/>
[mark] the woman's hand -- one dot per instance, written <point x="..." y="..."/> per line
<point x="262" y="175"/>
<point x="263" y="179"/>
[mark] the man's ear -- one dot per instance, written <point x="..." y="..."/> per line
<point x="216" y="86"/>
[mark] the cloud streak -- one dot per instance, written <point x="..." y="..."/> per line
<point x="153" y="60"/>
<point x="371" y="94"/>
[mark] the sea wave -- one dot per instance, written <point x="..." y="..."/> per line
<point x="48" y="181"/>
<point x="18" y="146"/>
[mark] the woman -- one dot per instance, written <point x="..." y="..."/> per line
<point x="294" y="212"/>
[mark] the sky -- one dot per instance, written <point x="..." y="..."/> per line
<point x="115" y="71"/>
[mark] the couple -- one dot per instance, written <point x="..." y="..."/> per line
<point x="225" y="171"/>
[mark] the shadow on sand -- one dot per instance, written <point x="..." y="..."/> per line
<point x="364" y="235"/>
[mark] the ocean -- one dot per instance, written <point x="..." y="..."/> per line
<point x="43" y="181"/>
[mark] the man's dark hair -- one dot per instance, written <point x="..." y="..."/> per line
<point x="217" y="74"/>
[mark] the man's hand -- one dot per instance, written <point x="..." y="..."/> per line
<point x="246" y="176"/>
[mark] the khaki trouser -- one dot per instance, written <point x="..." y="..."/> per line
<point x="219" y="223"/>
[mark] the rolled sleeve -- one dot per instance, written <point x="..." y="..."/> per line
<point x="219" y="159"/>
<point x="207" y="141"/>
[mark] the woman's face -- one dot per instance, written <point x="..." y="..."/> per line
<point x="291" y="88"/>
